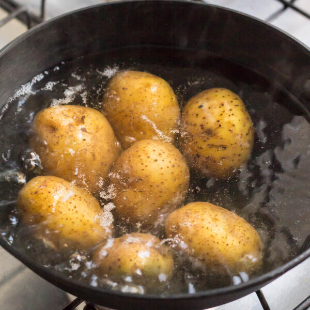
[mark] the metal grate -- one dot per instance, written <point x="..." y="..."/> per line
<point x="20" y="12"/>
<point x="291" y="4"/>
<point x="304" y="305"/>
<point x="76" y="302"/>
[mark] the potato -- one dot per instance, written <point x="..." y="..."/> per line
<point x="76" y="144"/>
<point x="139" y="255"/>
<point x="217" y="133"/>
<point x="150" y="179"/>
<point x="64" y="214"/>
<point x="216" y="237"/>
<point x="141" y="106"/>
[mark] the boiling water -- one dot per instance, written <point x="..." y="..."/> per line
<point x="271" y="191"/>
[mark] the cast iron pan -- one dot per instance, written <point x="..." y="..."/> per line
<point x="174" y="24"/>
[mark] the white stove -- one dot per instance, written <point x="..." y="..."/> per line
<point x="21" y="289"/>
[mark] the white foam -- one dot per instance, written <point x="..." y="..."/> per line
<point x="128" y="279"/>
<point x="78" y="77"/>
<point x="134" y="289"/>
<point x="108" y="193"/>
<point x="162" y="277"/>
<point x="109" y="207"/>
<point x="94" y="281"/>
<point x="108" y="72"/>
<point x="26" y="89"/>
<point x="105" y="219"/>
<point x="144" y="254"/>
<point x="70" y="94"/>
<point x="84" y="97"/>
<point x="49" y="86"/>
<point x="191" y="288"/>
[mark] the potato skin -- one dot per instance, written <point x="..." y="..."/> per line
<point x="75" y="143"/>
<point x="135" y="254"/>
<point x="66" y="215"/>
<point x="219" y="239"/>
<point x="141" y="106"/>
<point x="150" y="179"/>
<point x="217" y="133"/>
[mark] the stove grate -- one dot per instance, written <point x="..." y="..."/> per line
<point x="88" y="306"/>
<point x="20" y="12"/>
<point x="304" y="305"/>
<point x="290" y="4"/>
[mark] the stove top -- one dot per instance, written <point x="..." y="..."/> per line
<point x="21" y="289"/>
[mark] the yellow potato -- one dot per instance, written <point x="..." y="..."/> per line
<point x="217" y="133"/>
<point x="76" y="144"/>
<point x="139" y="255"/>
<point x="64" y="214"/>
<point x="150" y="180"/>
<point x="216" y="237"/>
<point x="140" y="106"/>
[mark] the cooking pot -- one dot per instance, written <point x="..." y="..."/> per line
<point x="176" y="25"/>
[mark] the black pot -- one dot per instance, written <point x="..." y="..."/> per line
<point x="176" y="25"/>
